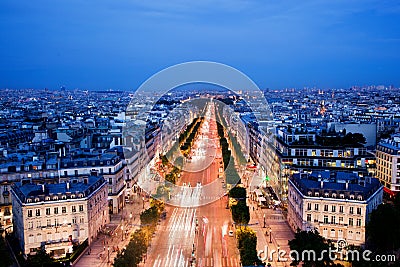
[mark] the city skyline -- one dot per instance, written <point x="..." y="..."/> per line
<point x="278" y="45"/>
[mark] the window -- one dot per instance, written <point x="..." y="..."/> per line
<point x="325" y="219"/>
<point x="325" y="207"/>
<point x="358" y="236"/>
<point x="341" y="209"/>
<point x="309" y="206"/>
<point x="359" y="211"/>
<point x="38" y="224"/>
<point x="29" y="213"/>
<point x="30" y="225"/>
<point x="74" y="220"/>
<point x="47" y="211"/>
<point x="80" y="208"/>
<point x="358" y="222"/>
<point x="333" y="219"/>
<point x="31" y="239"/>
<point x="350" y="234"/>
<point x="340" y="219"/>
<point x="351" y="211"/>
<point x="332" y="232"/>
<point x="333" y="208"/>
<point x="308" y="217"/>
<point x="64" y="209"/>
<point x="56" y="222"/>
<point x="56" y="210"/>
<point x="49" y="236"/>
<point x="73" y="208"/>
<point x="37" y="212"/>
<point x="351" y="221"/>
<point x="316" y="207"/>
<point x="340" y="233"/>
<point x="48" y="223"/>
<point x="81" y="220"/>
<point x="39" y="238"/>
<point x="109" y="180"/>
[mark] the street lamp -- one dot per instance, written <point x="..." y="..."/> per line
<point x="264" y="220"/>
<point x="270" y="235"/>
<point x="130" y="218"/>
<point x="143" y="202"/>
<point x="108" y="257"/>
<point x="122" y="232"/>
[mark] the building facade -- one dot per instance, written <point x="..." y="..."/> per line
<point x="337" y="205"/>
<point x="54" y="217"/>
<point x="388" y="164"/>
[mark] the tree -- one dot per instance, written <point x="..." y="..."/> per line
<point x="383" y="227"/>
<point x="247" y="245"/>
<point x="241" y="213"/>
<point x="4" y="253"/>
<point x="310" y="241"/>
<point x="41" y="259"/>
<point x="149" y="216"/>
<point x="132" y="255"/>
<point x="238" y="192"/>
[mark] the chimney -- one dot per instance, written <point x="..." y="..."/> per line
<point x="67" y="185"/>
<point x="322" y="184"/>
<point x="347" y="185"/>
<point x="43" y="189"/>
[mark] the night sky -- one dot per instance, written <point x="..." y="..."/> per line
<point x="277" y="43"/>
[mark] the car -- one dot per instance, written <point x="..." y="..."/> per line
<point x="230" y="233"/>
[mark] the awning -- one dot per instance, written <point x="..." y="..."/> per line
<point x="387" y="190"/>
<point x="252" y="166"/>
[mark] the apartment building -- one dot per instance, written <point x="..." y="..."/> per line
<point x="57" y="216"/>
<point x="336" y="204"/>
<point x="388" y="164"/>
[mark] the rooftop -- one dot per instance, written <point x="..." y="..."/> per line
<point x="335" y="184"/>
<point x="28" y="193"/>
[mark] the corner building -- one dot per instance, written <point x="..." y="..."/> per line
<point x="336" y="204"/>
<point x="57" y="216"/>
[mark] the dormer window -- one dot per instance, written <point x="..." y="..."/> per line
<point x="326" y="194"/>
<point x="37" y="199"/>
<point x="64" y="197"/>
<point x="29" y="200"/>
<point x="341" y="196"/>
<point x="47" y="198"/>
<point x="317" y="194"/>
<point x="309" y="193"/>
<point x="351" y="196"/>
<point x="359" y="197"/>
<point x="55" y="198"/>
<point x="334" y="195"/>
<point x="73" y="196"/>
<point x="80" y="195"/>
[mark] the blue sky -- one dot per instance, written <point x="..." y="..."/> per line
<point x="119" y="44"/>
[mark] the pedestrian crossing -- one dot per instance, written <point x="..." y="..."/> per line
<point x="179" y="261"/>
<point x="233" y="261"/>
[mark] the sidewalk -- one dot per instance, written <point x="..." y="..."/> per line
<point x="280" y="232"/>
<point x="104" y="249"/>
